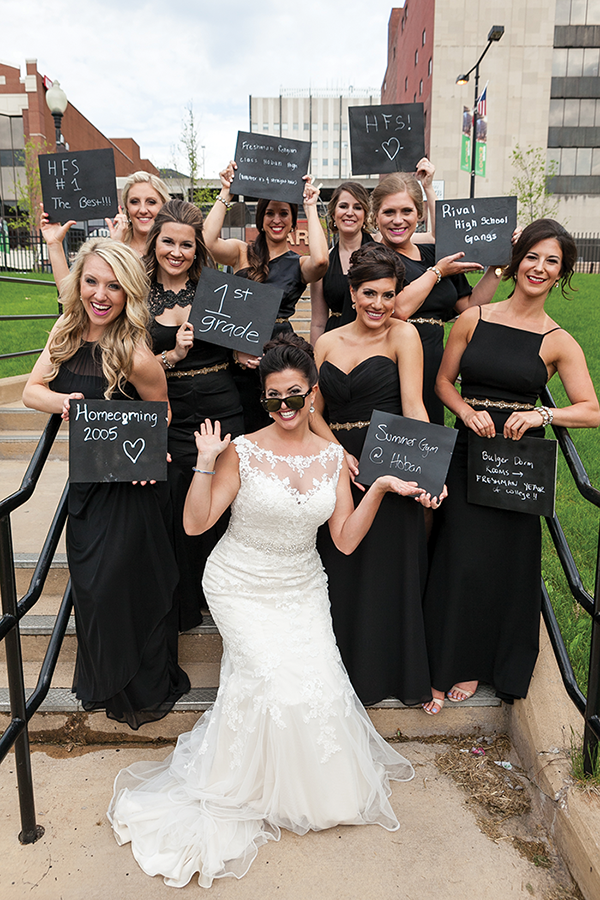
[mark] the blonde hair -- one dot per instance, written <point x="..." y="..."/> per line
<point x="396" y="183"/>
<point x="121" y="338"/>
<point x="141" y="177"/>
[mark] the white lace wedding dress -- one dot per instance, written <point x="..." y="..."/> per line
<point x="287" y="743"/>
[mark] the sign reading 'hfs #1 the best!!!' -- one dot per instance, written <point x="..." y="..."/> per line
<point x="117" y="440"/>
<point x="78" y="185"/>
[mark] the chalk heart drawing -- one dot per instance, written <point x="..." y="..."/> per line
<point x="391" y="147"/>
<point x="135" y="449"/>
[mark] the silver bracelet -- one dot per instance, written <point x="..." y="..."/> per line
<point x="225" y="202"/>
<point x="437" y="272"/>
<point x="202" y="471"/>
<point x="166" y="362"/>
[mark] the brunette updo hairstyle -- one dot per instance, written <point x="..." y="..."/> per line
<point x="541" y="230"/>
<point x="288" y="351"/>
<point x="374" y="261"/>
<point x="396" y="183"/>
<point x="258" y="251"/>
<point x="358" y="192"/>
<point x="178" y="212"/>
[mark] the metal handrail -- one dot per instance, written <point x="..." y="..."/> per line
<point x="22" y="709"/>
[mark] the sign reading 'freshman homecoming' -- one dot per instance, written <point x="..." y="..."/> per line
<point x="516" y="475"/>
<point x="386" y="138"/>
<point x="78" y="185"/>
<point x="270" y="167"/>
<point x="480" y="228"/>
<point x="117" y="440"/>
<point x="410" y="449"/>
<point x="234" y="312"/>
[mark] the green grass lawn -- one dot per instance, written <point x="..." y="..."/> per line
<point x="580" y="316"/>
<point x="16" y="299"/>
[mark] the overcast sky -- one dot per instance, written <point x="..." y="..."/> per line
<point x="132" y="66"/>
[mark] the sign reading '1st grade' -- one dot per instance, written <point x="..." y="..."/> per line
<point x="386" y="138"/>
<point x="79" y="185"/>
<point x="481" y="229"/>
<point x="117" y="440"/>
<point x="270" y="167"/>
<point x="234" y="312"/>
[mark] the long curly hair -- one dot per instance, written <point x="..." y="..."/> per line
<point x="178" y="212"/>
<point x="120" y="338"/>
<point x="258" y="251"/>
<point x="156" y="183"/>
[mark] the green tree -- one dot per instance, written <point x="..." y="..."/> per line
<point x="199" y="193"/>
<point x="30" y="190"/>
<point x="531" y="184"/>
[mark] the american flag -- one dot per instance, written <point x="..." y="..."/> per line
<point x="482" y="103"/>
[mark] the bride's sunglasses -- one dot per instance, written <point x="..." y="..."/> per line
<point x="294" y="401"/>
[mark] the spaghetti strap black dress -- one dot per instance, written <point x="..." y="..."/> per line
<point x="483" y="598"/>
<point x="285" y="272"/>
<point x="376" y="592"/>
<point x="123" y="575"/>
<point x="437" y="308"/>
<point x="336" y="289"/>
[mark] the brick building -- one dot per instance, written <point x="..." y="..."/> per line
<point x="24" y="115"/>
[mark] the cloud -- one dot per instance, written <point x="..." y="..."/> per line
<point x="133" y="67"/>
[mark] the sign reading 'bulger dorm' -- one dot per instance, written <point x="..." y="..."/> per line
<point x="386" y="138"/>
<point x="481" y="229"/>
<point x="410" y="449"/>
<point x="270" y="167"/>
<point x="516" y="475"/>
<point x="117" y="440"/>
<point x="234" y="312"/>
<point x="79" y="185"/>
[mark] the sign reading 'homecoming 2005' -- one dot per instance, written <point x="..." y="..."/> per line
<point x="117" y="440"/>
<point x="270" y="167"/>
<point x="410" y="449"/>
<point x="481" y="228"/>
<point x="516" y="475"/>
<point x="78" y="185"/>
<point x="386" y="138"/>
<point x="234" y="312"/>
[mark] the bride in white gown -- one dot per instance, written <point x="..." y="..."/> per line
<point x="287" y="743"/>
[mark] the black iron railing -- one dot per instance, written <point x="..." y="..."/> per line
<point x="590" y="706"/>
<point x="22" y="708"/>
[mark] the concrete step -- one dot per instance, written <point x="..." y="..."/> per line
<point x="56" y="582"/>
<point x="21" y="445"/>
<point x="18" y="418"/>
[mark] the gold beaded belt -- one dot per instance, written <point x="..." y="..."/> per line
<point x="184" y="373"/>
<point x="421" y="321"/>
<point x="332" y="313"/>
<point x="498" y="404"/>
<point x="281" y="321"/>
<point x="347" y="426"/>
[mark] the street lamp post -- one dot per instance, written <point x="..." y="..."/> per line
<point x="496" y="32"/>
<point x="57" y="102"/>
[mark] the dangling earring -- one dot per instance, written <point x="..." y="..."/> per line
<point x="312" y="409"/>
<point x="195" y="255"/>
<point x="556" y="283"/>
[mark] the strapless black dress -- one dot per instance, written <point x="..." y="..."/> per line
<point x="376" y="592"/>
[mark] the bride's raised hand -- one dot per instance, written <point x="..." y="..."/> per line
<point x="209" y="443"/>
<point x="389" y="483"/>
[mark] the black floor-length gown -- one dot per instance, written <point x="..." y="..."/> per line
<point x="376" y="592"/>
<point x="123" y="575"/>
<point x="483" y="598"/>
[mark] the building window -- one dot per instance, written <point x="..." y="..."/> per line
<point x="295" y="126"/>
<point x="555" y="118"/>
<point x="325" y="145"/>
<point x="344" y="145"/>
<point x="315" y="145"/>
<point x="590" y="61"/>
<point x="325" y="126"/>
<point x="414" y="98"/>
<point x="336" y="162"/>
<point x="575" y="62"/>
<point x="336" y="126"/>
<point x="275" y="126"/>
<point x="406" y="83"/>
<point x="423" y="37"/>
<point x="265" y="126"/>
<point x="284" y="126"/>
<point x="255" y="126"/>
<point x="430" y="67"/>
<point x="315" y="126"/>
<point x="314" y="162"/>
<point x="587" y="113"/>
<point x="306" y="126"/>
<point x="420" y="87"/>
<point x="416" y="57"/>
<point x="394" y="52"/>
<point x="336" y="145"/>
<point x="559" y="62"/>
<point x="345" y="126"/>
<point x="325" y="161"/>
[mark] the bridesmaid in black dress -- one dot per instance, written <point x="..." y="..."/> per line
<point x="199" y="378"/>
<point x="269" y="260"/>
<point x="434" y="292"/>
<point x="376" y="363"/>
<point x="482" y="603"/>
<point x="122" y="566"/>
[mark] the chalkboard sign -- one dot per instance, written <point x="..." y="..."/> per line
<point x="78" y="185"/>
<point x="408" y="448"/>
<point x="234" y="312"/>
<point x="386" y="138"/>
<point x="481" y="228"/>
<point x="270" y="167"/>
<point x="517" y="475"/>
<point x="117" y="440"/>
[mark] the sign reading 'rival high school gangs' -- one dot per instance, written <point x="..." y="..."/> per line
<point x="78" y="185"/>
<point x="481" y="229"/>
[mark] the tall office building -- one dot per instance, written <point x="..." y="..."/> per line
<point x="544" y="90"/>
